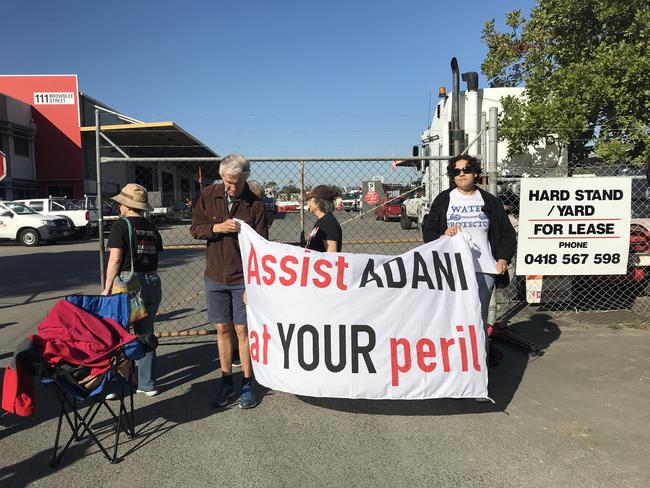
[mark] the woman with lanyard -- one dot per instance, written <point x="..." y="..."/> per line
<point x="141" y="235"/>
<point x="482" y="219"/>
<point x="326" y="235"/>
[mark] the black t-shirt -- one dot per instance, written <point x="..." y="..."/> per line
<point x="147" y="243"/>
<point x="326" y="228"/>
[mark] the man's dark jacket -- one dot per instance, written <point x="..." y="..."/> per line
<point x="223" y="257"/>
<point x="501" y="234"/>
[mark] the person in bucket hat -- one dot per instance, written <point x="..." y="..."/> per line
<point x="134" y="197"/>
<point x="141" y="235"/>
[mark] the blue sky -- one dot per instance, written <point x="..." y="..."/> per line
<point x="264" y="78"/>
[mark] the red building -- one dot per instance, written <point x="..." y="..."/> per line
<point x="47" y="131"/>
<point x="58" y="158"/>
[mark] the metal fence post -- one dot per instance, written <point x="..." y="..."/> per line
<point x="484" y="145"/>
<point x="484" y="139"/>
<point x="492" y="188"/>
<point x="100" y="207"/>
<point x="301" y="203"/>
<point x="492" y="150"/>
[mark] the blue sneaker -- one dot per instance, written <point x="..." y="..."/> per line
<point x="246" y="398"/>
<point x="225" y="394"/>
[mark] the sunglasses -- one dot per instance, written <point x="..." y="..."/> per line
<point x="468" y="170"/>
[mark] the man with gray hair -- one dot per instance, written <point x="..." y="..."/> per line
<point x="213" y="220"/>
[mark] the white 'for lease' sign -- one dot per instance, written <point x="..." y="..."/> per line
<point x="574" y="226"/>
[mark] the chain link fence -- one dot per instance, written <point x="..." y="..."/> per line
<point x="372" y="211"/>
<point x="625" y="298"/>
<point x="174" y="188"/>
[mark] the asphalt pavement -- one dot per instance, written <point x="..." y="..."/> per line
<point x="577" y="416"/>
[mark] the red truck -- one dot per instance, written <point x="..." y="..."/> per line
<point x="389" y="209"/>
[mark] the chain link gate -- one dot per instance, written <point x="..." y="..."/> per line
<point x="174" y="187"/>
<point x="372" y="212"/>
<point x="373" y="228"/>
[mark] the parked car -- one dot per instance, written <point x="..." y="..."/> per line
<point x="639" y="260"/>
<point x="82" y="221"/>
<point x="619" y="291"/>
<point x="350" y="202"/>
<point x="409" y="211"/>
<point x="288" y="206"/>
<point x="389" y="209"/>
<point x="110" y="209"/>
<point x="21" y="223"/>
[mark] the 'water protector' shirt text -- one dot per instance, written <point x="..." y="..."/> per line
<point x="466" y="211"/>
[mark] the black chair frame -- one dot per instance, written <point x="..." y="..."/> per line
<point x="80" y="417"/>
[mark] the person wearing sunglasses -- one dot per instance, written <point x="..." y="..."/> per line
<point x="483" y="221"/>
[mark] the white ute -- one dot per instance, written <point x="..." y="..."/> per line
<point x="82" y="221"/>
<point x="21" y="223"/>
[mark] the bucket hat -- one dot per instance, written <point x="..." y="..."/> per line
<point x="133" y="196"/>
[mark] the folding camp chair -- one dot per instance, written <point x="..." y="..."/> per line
<point x="79" y="406"/>
<point x="81" y="395"/>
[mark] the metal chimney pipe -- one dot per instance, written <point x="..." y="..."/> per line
<point x="471" y="78"/>
<point x="457" y="134"/>
<point x="455" y="99"/>
<point x="472" y="113"/>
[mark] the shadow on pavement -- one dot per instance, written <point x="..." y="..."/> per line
<point x="60" y="272"/>
<point x="503" y="381"/>
<point x="179" y="370"/>
<point x="506" y="377"/>
<point x="177" y="257"/>
<point x="37" y="467"/>
<point x="162" y="317"/>
<point x="154" y="417"/>
<point x="48" y="272"/>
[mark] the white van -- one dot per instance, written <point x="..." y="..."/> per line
<point x="20" y="223"/>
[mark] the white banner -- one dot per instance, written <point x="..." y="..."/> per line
<point x="365" y="326"/>
<point x="574" y="226"/>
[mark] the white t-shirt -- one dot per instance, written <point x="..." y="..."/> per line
<point x="465" y="211"/>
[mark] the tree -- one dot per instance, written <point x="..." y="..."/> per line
<point x="585" y="66"/>
<point x="290" y="188"/>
